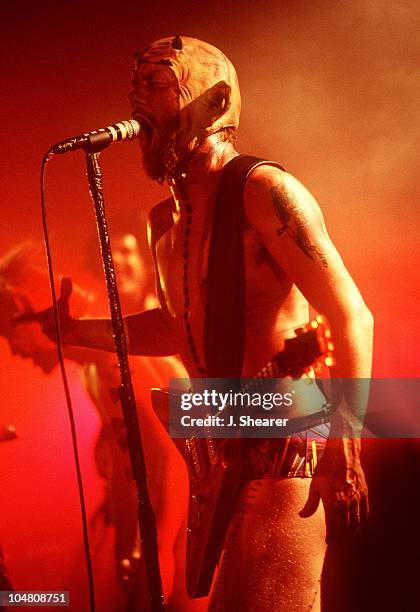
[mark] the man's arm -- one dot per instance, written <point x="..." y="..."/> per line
<point x="291" y="226"/>
<point x="148" y="333"/>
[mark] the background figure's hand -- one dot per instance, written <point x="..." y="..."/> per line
<point x="46" y="317"/>
<point x="340" y="482"/>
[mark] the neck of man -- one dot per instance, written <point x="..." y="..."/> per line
<point x="202" y="171"/>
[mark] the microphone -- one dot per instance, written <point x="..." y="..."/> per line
<point x="95" y="141"/>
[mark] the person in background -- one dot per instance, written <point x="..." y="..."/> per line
<point x="23" y="287"/>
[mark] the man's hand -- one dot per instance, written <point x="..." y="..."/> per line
<point x="46" y="317"/>
<point x="340" y="482"/>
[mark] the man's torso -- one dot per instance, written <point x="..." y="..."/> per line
<point x="180" y="237"/>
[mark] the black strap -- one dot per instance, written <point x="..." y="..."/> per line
<point x="224" y="324"/>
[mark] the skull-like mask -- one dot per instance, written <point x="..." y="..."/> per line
<point x="209" y="97"/>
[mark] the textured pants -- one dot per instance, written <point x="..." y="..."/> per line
<point x="272" y="558"/>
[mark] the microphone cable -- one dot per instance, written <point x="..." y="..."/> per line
<point x="70" y="411"/>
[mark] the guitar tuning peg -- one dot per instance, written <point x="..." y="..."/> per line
<point x="317" y="367"/>
<point x="329" y="361"/>
<point x="125" y="564"/>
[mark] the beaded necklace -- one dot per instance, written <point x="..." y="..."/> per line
<point x="185" y="277"/>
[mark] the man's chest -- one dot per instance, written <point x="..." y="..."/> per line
<point x="182" y="255"/>
<point x="181" y="258"/>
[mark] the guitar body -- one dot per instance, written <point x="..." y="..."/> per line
<point x="211" y="499"/>
<point x="214" y="476"/>
<point x="215" y="465"/>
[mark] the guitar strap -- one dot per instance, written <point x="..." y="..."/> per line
<point x="224" y="324"/>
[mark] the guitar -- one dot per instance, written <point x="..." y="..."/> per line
<point x="215" y="465"/>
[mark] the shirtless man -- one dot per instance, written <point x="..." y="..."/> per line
<point x="185" y="94"/>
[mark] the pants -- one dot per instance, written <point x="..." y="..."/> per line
<point x="272" y="558"/>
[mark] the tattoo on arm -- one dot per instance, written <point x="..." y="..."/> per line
<point x="285" y="208"/>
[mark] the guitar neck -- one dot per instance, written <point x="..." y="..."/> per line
<point x="272" y="369"/>
<point x="292" y="361"/>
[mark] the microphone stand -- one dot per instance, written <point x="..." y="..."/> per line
<point x="145" y="514"/>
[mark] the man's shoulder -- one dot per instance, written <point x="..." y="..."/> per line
<point x="270" y="190"/>
<point x="160" y="219"/>
<point x="259" y="185"/>
<point x="265" y="174"/>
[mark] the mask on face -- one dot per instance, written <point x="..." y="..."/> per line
<point x="209" y="97"/>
